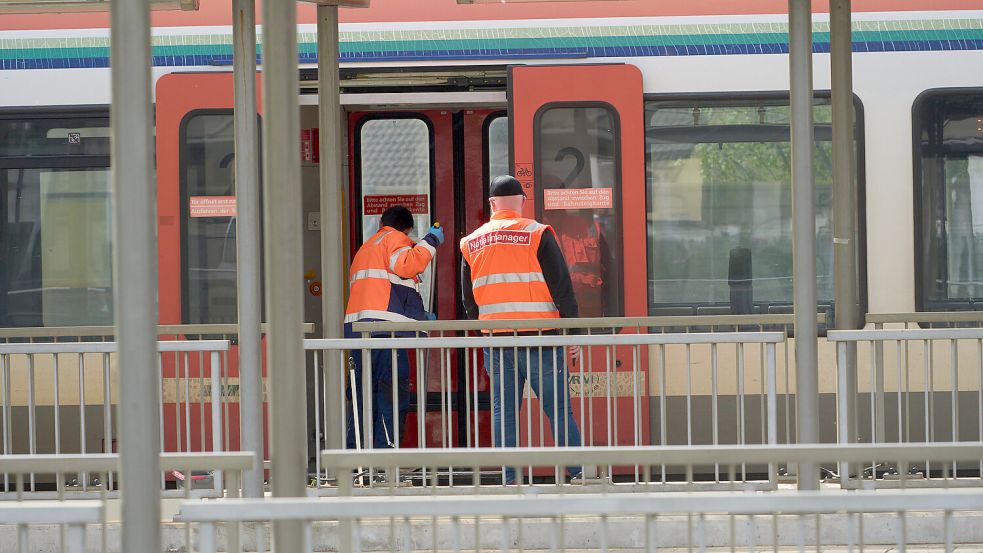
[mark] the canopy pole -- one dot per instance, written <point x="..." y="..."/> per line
<point x="283" y="256"/>
<point x="844" y="202"/>
<point x="247" y="240"/>
<point x="135" y="268"/>
<point x="332" y="216"/>
<point x="803" y="234"/>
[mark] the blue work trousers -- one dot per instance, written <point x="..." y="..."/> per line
<point x="383" y="429"/>
<point x="508" y="370"/>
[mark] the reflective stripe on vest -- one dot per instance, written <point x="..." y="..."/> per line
<point x="501" y="278"/>
<point x="383" y="274"/>
<point x="377" y="314"/>
<point x="426" y="245"/>
<point x="517" y="307"/>
<point x="395" y="256"/>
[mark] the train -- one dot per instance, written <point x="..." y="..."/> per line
<point x="654" y="136"/>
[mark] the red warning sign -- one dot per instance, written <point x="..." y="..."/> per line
<point x="578" y="198"/>
<point x="213" y="206"/>
<point x="418" y="204"/>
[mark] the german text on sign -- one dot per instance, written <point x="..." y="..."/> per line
<point x="578" y="198"/>
<point x="416" y="203"/>
<point x="213" y="206"/>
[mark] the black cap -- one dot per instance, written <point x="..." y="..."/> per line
<point x="505" y="185"/>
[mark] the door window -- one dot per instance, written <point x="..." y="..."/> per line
<point x="497" y="144"/>
<point x="208" y="205"/>
<point x="578" y="190"/>
<point x="395" y="167"/>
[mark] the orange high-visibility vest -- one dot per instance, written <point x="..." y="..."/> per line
<point x="506" y="277"/>
<point x="383" y="278"/>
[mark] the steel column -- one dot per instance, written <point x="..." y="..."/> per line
<point x="247" y="240"/>
<point x="284" y="272"/>
<point x="135" y="273"/>
<point x="844" y="189"/>
<point x="803" y="233"/>
<point x="332" y="216"/>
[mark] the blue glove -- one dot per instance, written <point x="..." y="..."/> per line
<point x="430" y="316"/>
<point x="437" y="233"/>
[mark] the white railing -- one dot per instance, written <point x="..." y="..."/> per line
<point x="919" y="386"/>
<point x="640" y="375"/>
<point x="636" y="325"/>
<point x="35" y="512"/>
<point x="59" y="398"/>
<point x="71" y="519"/>
<point x="592" y="517"/>
<point x="596" y="522"/>
<point x="603" y="522"/>
<point x="224" y="468"/>
<point x="650" y="462"/>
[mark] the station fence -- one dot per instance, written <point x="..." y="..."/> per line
<point x="61" y="397"/>
<point x="920" y="385"/>
<point x="592" y="517"/>
<point x="70" y="519"/>
<point x="75" y="520"/>
<point x="622" y="392"/>
<point x="649" y="381"/>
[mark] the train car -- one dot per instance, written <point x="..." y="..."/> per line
<point x="653" y="136"/>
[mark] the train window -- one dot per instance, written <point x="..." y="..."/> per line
<point x="949" y="215"/>
<point x="208" y="192"/>
<point x="55" y="220"/>
<point x="720" y="205"/>
<point x="497" y="143"/>
<point x="579" y="194"/>
<point x="395" y="167"/>
<point x="54" y="137"/>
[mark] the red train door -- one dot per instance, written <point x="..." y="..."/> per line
<point x="578" y="148"/>
<point x="196" y="253"/>
<point x="431" y="162"/>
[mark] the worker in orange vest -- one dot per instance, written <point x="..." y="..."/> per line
<point x="513" y="268"/>
<point x="385" y="280"/>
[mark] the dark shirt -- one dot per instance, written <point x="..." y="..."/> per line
<point x="555" y="272"/>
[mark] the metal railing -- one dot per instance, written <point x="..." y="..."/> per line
<point x="105" y="333"/>
<point x="638" y="522"/>
<point x="648" y="324"/>
<point x="224" y="471"/>
<point x="71" y="518"/>
<point x="60" y="398"/>
<point x="695" y="323"/>
<point x="593" y="518"/>
<point x="626" y="389"/>
<point x="921" y="385"/>
<point x="604" y="522"/>
<point x="930" y="318"/>
<point x="649" y="461"/>
<point x="24" y="507"/>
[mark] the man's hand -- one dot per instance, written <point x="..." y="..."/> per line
<point x="437" y="233"/>
<point x="574" y="352"/>
<point x="430" y="316"/>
